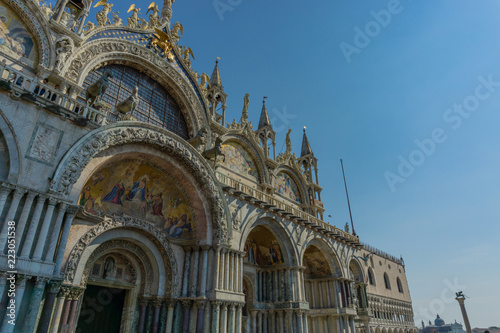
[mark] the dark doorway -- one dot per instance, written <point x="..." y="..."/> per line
<point x="101" y="310"/>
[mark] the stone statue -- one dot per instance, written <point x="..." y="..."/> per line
<point x="68" y="19"/>
<point x="47" y="9"/>
<point x="97" y="89"/>
<point x="133" y="20"/>
<point x="204" y="80"/>
<point x="346" y="227"/>
<point x="215" y="152"/>
<point x="64" y="48"/>
<point x="130" y="103"/>
<point x="153" y="18"/>
<point x="102" y="15"/>
<point x="244" y="113"/>
<point x="186" y="52"/>
<point x="175" y="32"/>
<point x="109" y="267"/>
<point x="288" y="141"/>
<point x="117" y="21"/>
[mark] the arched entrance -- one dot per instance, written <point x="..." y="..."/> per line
<point x="321" y="290"/>
<point x="273" y="283"/>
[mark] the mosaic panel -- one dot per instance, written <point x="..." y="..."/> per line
<point x="141" y="190"/>
<point x="262" y="248"/>
<point x="287" y="187"/>
<point x="15" y="40"/>
<point x="239" y="161"/>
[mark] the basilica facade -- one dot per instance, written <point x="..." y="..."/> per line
<point x="128" y="203"/>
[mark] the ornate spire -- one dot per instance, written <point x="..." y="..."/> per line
<point x="264" y="117"/>
<point x="215" y="80"/>
<point x="306" y="147"/>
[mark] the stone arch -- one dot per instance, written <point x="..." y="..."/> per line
<point x="151" y="240"/>
<point x="103" y="52"/>
<point x="282" y="235"/>
<point x="36" y="22"/>
<point x="77" y="165"/>
<point x="297" y="178"/>
<point x="12" y="145"/>
<point x="357" y="270"/>
<point x="133" y="252"/>
<point x="328" y="252"/>
<point x="255" y="152"/>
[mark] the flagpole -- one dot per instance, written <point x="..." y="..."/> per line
<point x="347" y="194"/>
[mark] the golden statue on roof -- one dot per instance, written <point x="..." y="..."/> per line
<point x="102" y="15"/>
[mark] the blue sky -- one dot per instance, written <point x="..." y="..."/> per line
<point x="402" y="86"/>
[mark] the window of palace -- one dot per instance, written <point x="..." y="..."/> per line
<point x="386" y="280"/>
<point x="156" y="106"/>
<point x="400" y="286"/>
<point x="371" y="278"/>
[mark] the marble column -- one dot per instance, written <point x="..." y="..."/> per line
<point x="218" y="273"/>
<point x="156" y="314"/>
<point x="222" y="271"/>
<point x="194" y="272"/>
<point x="204" y="272"/>
<point x="42" y="235"/>
<point x="193" y="318"/>
<point x="49" y="256"/>
<point x="82" y="22"/>
<point x="306" y="326"/>
<point x="185" y="280"/>
<point x="206" y="320"/>
<point x="231" y="319"/>
<point x="20" y="289"/>
<point x="223" y="317"/>
<point x="68" y="221"/>
<point x="281" y="324"/>
<point x="3" y="288"/>
<point x="30" y="237"/>
<point x="170" y="315"/>
<point x="74" y="296"/>
<point x="18" y="194"/>
<point x="226" y="270"/>
<point x="238" y="318"/>
<point x="58" y="311"/>
<point x="215" y="316"/>
<point x="259" y="322"/>
<point x="21" y="225"/>
<point x="52" y="288"/>
<point x="288" y="320"/>
<point x="300" y="324"/>
<point x="34" y="305"/>
<point x="143" y="303"/>
<point x="186" y="304"/>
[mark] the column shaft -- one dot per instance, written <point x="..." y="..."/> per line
<point x="49" y="256"/>
<point x="68" y="221"/>
<point x="28" y="241"/>
<point x="21" y="225"/>
<point x="42" y="235"/>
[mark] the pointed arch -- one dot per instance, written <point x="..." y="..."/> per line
<point x="357" y="270"/>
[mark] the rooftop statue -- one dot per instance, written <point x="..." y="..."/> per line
<point x="133" y="20"/>
<point x="153" y="18"/>
<point x="175" y="32"/>
<point x="102" y="15"/>
<point x="288" y="141"/>
<point x="244" y="113"/>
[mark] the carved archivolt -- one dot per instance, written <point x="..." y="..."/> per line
<point x="159" y="237"/>
<point x="139" y="255"/>
<point x="108" y="51"/>
<point x="77" y="158"/>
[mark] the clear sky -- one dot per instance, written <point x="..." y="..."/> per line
<point x="422" y="170"/>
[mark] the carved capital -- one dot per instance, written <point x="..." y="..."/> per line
<point x="157" y="302"/>
<point x="64" y="291"/>
<point x="144" y="301"/>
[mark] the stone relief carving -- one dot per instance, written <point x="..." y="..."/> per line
<point x="124" y="222"/>
<point x="64" y="48"/>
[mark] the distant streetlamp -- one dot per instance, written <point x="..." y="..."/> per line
<point x="461" y="300"/>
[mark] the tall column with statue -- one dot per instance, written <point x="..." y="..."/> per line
<point x="461" y="300"/>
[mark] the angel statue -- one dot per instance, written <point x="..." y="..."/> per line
<point x="186" y="52"/>
<point x="244" y="113"/>
<point x="161" y="41"/>
<point x="175" y="32"/>
<point x="102" y="15"/>
<point x="133" y="20"/>
<point x="153" y="18"/>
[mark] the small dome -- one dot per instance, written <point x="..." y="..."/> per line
<point x="438" y="321"/>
